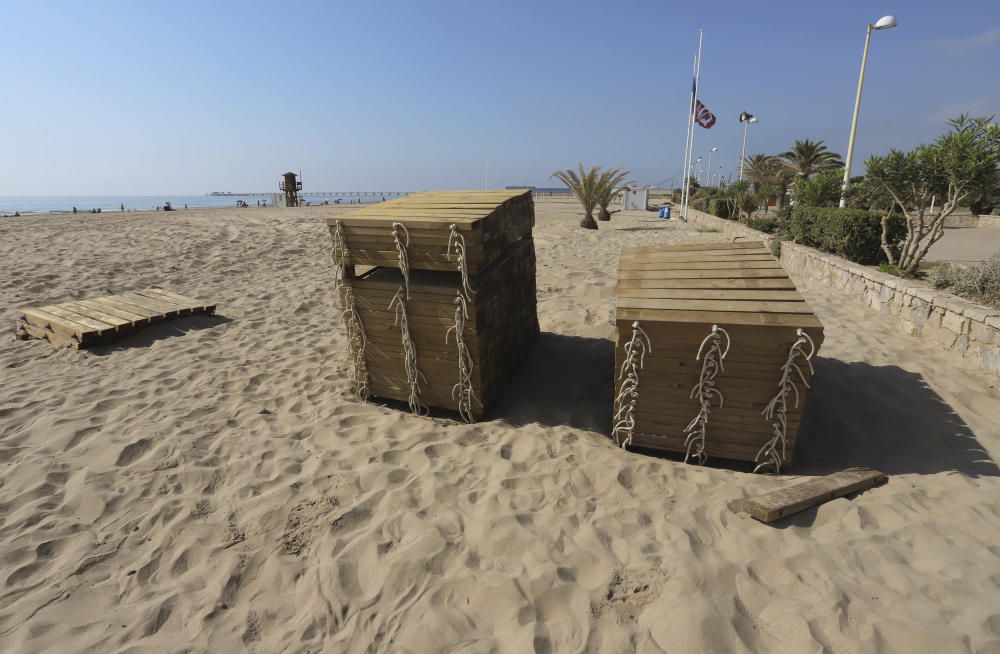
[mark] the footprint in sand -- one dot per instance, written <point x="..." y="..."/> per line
<point x="133" y="451"/>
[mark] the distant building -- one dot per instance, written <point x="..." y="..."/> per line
<point x="537" y="190"/>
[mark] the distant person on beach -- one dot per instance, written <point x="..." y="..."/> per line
<point x="74" y="209"/>
<point x="123" y="207"/>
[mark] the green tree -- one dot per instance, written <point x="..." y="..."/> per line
<point x="609" y="184"/>
<point x="942" y="174"/>
<point x="583" y="184"/>
<point x="807" y="158"/>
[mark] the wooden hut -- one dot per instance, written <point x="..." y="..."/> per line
<point x="438" y="292"/>
<point x="713" y="353"/>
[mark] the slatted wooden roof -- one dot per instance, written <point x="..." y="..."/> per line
<point x="433" y="209"/>
<point x="727" y="283"/>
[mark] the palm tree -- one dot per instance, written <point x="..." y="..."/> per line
<point x="584" y="187"/>
<point x="609" y="184"/>
<point x="760" y="169"/>
<point x="808" y="157"/>
<point x="770" y="171"/>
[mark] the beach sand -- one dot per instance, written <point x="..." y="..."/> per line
<point x="210" y="485"/>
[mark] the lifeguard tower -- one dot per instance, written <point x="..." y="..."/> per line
<point x="291" y="186"/>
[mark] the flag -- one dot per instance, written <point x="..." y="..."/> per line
<point x="703" y="116"/>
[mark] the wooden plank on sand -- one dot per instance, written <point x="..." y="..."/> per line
<point x="797" y="497"/>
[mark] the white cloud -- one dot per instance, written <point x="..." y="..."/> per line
<point x="968" y="43"/>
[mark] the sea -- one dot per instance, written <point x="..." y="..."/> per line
<point x="32" y="204"/>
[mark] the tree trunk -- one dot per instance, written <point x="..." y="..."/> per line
<point x="588" y="222"/>
<point x="603" y="214"/>
<point x="886" y="247"/>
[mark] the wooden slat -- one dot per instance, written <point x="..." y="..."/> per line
<point x="117" y="302"/>
<point x="679" y="257"/>
<point x="191" y="303"/>
<point x="711" y="294"/>
<point x="726" y="283"/>
<point x="721" y="306"/>
<point x="653" y="267"/>
<point x="133" y="318"/>
<point x="47" y="335"/>
<point x="91" y="324"/>
<point x="804" y="494"/>
<point x="697" y="247"/>
<point x="96" y="314"/>
<point x="720" y="273"/>
<point x="166" y="308"/>
<point x="721" y="318"/>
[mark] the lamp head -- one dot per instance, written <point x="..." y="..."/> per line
<point x="885" y="23"/>
<point x="753" y="119"/>
<point x="744" y="116"/>
<point x="714" y="150"/>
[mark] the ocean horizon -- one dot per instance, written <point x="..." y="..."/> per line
<point x="37" y="204"/>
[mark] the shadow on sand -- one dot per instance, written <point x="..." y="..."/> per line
<point x="887" y="418"/>
<point x="146" y="336"/>
<point x="857" y="414"/>
<point x="565" y="380"/>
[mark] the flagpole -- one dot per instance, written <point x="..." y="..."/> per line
<point x="687" y="138"/>
<point x="697" y="83"/>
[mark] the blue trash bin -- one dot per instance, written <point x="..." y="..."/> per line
<point x="664" y="212"/>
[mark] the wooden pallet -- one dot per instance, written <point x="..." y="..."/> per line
<point x="677" y="294"/>
<point x="102" y="320"/>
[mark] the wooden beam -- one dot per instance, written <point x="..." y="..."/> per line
<point x="804" y="494"/>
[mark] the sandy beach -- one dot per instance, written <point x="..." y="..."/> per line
<point x="210" y="484"/>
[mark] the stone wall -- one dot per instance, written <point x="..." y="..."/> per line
<point x="989" y="222"/>
<point x="730" y="228"/>
<point x="969" y="330"/>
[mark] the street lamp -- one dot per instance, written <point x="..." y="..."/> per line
<point x="883" y="23"/>
<point x="710" y="164"/>
<point x="746" y="119"/>
<point x="693" y="170"/>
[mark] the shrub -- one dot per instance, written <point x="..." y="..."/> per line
<point x="978" y="282"/>
<point x="821" y="190"/>
<point x="854" y="234"/>
<point x="776" y="242"/>
<point x="718" y="207"/>
<point x="766" y="225"/>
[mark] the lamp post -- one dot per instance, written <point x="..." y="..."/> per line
<point x="710" y="164"/>
<point x="883" y="23"/>
<point x="696" y="170"/>
<point x="746" y="119"/>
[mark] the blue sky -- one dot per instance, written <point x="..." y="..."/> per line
<point x="189" y="97"/>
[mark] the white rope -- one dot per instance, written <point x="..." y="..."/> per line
<point x="413" y="374"/>
<point x="628" y="390"/>
<point x="404" y="262"/>
<point x="704" y="390"/>
<point x="357" y="341"/>
<point x="340" y="255"/>
<point x="462" y="392"/>
<point x="772" y="453"/>
<point x="456" y="242"/>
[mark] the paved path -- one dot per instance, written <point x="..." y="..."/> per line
<point x="965" y="245"/>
